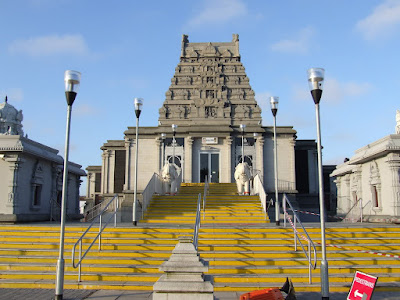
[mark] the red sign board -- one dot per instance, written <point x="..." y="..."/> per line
<point x="362" y="287"/>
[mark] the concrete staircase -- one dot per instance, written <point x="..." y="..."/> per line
<point x="244" y="251"/>
<point x="223" y="206"/>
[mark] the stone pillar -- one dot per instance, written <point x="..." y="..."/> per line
<point x="260" y="155"/>
<point x="159" y="153"/>
<point x="188" y="159"/>
<point x="12" y="199"/>
<point x="128" y="164"/>
<point x="184" y="278"/>
<point x="292" y="164"/>
<point x="394" y="167"/>
<point x="228" y="143"/>
<point x="105" y="189"/>
<point x="88" y="183"/>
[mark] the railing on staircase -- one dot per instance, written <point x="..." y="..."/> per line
<point x="53" y="205"/>
<point x="258" y="189"/>
<point x="115" y="202"/>
<point x="97" y="209"/>
<point x="312" y="263"/>
<point x="197" y="224"/>
<point x="355" y="213"/>
<point x="155" y="185"/>
<point x="206" y="186"/>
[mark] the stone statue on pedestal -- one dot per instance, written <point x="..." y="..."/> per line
<point x="169" y="176"/>
<point x="242" y="177"/>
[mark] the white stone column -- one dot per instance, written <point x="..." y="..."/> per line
<point x="292" y="164"/>
<point x="88" y="184"/>
<point x="105" y="187"/>
<point x="159" y="153"/>
<point x="394" y="167"/>
<point x="128" y="164"/>
<point x="260" y="155"/>
<point x="12" y="198"/>
<point x="228" y="143"/>
<point x="188" y="159"/>
<point x="339" y="205"/>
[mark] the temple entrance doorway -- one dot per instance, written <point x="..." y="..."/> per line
<point x="209" y="166"/>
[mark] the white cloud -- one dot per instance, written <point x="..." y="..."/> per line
<point x="13" y="95"/>
<point x="299" y="44"/>
<point x="84" y="110"/>
<point x="263" y="99"/>
<point x="384" y="19"/>
<point x="334" y="91"/>
<point x="50" y="45"/>
<point x="219" y="11"/>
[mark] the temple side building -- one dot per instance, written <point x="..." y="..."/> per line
<point x="368" y="184"/>
<point x="31" y="175"/>
<point x="209" y="98"/>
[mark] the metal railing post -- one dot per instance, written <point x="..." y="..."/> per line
<point x="115" y="212"/>
<point x="300" y="236"/>
<point x="97" y="237"/>
<point x="284" y="211"/>
<point x="295" y="239"/>
<point x="309" y="262"/>
<point x="80" y="264"/>
<point x="100" y="225"/>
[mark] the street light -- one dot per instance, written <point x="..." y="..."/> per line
<point x="72" y="80"/>
<point x="138" y="109"/>
<point x="274" y="109"/>
<point x="174" y="127"/>
<point x="315" y="81"/>
<point x="242" y="128"/>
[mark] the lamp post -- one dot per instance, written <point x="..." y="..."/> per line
<point x="315" y="81"/>
<point x="163" y="136"/>
<point x="274" y="109"/>
<point x="72" y="80"/>
<point x="242" y="128"/>
<point x="138" y="109"/>
<point x="174" y="127"/>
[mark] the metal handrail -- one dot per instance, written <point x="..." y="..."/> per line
<point x="98" y="236"/>
<point x="154" y="186"/>
<point x="52" y="201"/>
<point x="206" y="187"/>
<point x="95" y="210"/>
<point x="258" y="189"/>
<point x="197" y="224"/>
<point x="347" y="217"/>
<point x="296" y="237"/>
<point x="285" y="185"/>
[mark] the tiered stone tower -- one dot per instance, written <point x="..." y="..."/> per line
<point x="210" y="86"/>
<point x="10" y="119"/>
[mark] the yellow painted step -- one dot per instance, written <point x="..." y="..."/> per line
<point x="84" y="277"/>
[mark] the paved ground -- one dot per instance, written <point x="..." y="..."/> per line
<point x="46" y="294"/>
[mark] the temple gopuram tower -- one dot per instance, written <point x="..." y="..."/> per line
<point x="210" y="86"/>
<point x="208" y="99"/>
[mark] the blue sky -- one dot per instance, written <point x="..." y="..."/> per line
<point x="129" y="48"/>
